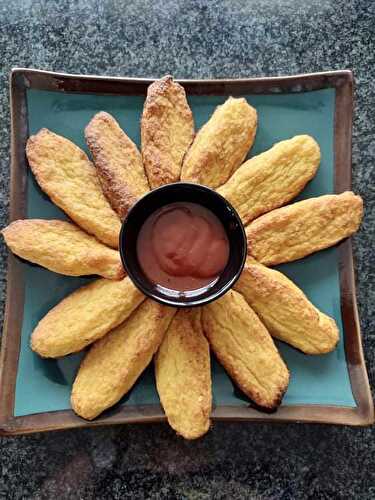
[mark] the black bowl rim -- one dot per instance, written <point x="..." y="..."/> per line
<point x="195" y="302"/>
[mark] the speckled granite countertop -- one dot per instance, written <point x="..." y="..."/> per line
<point x="200" y="39"/>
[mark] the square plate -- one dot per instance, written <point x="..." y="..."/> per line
<point x="34" y="393"/>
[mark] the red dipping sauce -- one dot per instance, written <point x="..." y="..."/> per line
<point x="182" y="246"/>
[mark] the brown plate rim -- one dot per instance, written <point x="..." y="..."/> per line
<point x="24" y="78"/>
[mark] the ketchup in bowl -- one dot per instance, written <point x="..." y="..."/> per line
<point x="182" y="246"/>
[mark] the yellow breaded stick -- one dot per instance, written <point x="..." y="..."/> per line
<point x="183" y="375"/>
<point x="65" y="173"/>
<point x="84" y="316"/>
<point x="285" y="310"/>
<point x="297" y="230"/>
<point x="272" y="178"/>
<point x="114" y="362"/>
<point x="118" y="163"/>
<point x="244" y="347"/>
<point x="62" y="247"/>
<point x="167" y="130"/>
<point x="221" y="144"/>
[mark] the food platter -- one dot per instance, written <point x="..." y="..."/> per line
<point x="333" y="389"/>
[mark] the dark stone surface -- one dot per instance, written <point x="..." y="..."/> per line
<point x="198" y="39"/>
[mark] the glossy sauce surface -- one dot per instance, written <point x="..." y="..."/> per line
<point x="182" y="246"/>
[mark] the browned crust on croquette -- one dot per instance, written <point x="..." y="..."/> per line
<point x="285" y="310"/>
<point x="167" y="129"/>
<point x="114" y="363"/>
<point x="183" y="375"/>
<point x="245" y="348"/>
<point x="84" y="316"/>
<point x="272" y="178"/>
<point x="118" y="163"/>
<point x="62" y="247"/>
<point x="302" y="228"/>
<point x="249" y="391"/>
<point x="68" y="177"/>
<point x="221" y="144"/>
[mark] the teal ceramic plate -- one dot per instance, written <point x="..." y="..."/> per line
<point x="333" y="388"/>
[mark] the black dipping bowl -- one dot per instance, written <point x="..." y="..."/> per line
<point x="194" y="193"/>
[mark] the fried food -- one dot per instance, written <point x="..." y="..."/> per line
<point x="183" y="375"/>
<point x="118" y="163"/>
<point x="244" y="347"/>
<point x="221" y="144"/>
<point x="64" y="172"/>
<point x="272" y="178"/>
<point x="167" y="130"/>
<point x="285" y="310"/>
<point x="84" y="316"/>
<point x="114" y="362"/>
<point x="63" y="248"/>
<point x="292" y="232"/>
